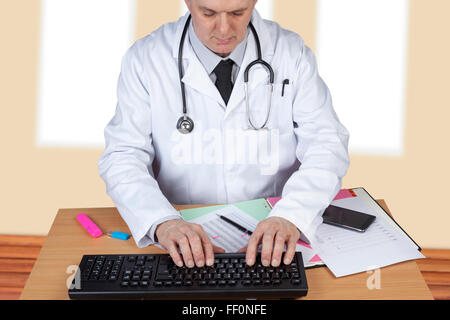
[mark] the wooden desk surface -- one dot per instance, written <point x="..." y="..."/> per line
<point x="67" y="241"/>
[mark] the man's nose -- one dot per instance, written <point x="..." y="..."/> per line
<point x="223" y="25"/>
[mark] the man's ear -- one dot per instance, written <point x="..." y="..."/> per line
<point x="188" y="4"/>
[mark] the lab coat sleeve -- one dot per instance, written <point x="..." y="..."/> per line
<point x="126" y="164"/>
<point x="322" y="149"/>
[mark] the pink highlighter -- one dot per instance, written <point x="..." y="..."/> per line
<point x="90" y="226"/>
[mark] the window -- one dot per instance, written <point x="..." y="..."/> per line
<point x="362" y="51"/>
<point x="82" y="45"/>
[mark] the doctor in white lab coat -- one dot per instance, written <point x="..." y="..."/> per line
<point x="148" y="165"/>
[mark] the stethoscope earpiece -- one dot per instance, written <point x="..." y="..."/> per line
<point x="185" y="125"/>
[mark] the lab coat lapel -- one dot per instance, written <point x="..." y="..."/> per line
<point x="198" y="79"/>
<point x="258" y="75"/>
<point x="195" y="75"/>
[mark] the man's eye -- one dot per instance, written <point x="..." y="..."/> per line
<point x="237" y="14"/>
<point x="208" y="14"/>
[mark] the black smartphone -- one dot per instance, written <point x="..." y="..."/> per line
<point x="347" y="218"/>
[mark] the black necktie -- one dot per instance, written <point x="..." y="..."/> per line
<point x="223" y="82"/>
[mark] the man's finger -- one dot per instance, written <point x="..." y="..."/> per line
<point x="278" y="249"/>
<point x="207" y="247"/>
<point x="267" y="246"/>
<point x="185" y="248"/>
<point x="196" y="248"/>
<point x="290" y="251"/>
<point x="173" y="251"/>
<point x="252" y="246"/>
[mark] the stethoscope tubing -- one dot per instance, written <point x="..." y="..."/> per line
<point x="185" y="124"/>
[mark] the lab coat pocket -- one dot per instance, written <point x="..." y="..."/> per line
<point x="272" y="107"/>
<point x="281" y="114"/>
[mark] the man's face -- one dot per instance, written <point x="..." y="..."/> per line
<point x="221" y="24"/>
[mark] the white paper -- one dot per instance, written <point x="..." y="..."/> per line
<point x="230" y="238"/>
<point x="223" y="234"/>
<point x="347" y="252"/>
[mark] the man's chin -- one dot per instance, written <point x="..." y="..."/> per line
<point x="223" y="51"/>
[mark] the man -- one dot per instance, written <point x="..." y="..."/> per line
<point x="145" y="166"/>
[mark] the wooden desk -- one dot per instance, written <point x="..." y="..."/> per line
<point x="67" y="241"/>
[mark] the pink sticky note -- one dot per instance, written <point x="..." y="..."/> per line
<point x="273" y="200"/>
<point x="316" y="258"/>
<point x="302" y="243"/>
<point x="344" y="193"/>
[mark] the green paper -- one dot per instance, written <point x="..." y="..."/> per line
<point x="258" y="209"/>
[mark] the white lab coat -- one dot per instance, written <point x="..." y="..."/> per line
<point x="148" y="165"/>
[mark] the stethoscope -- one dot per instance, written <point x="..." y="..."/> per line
<point x="185" y="124"/>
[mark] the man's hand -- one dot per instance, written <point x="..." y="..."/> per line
<point x="274" y="233"/>
<point x="192" y="240"/>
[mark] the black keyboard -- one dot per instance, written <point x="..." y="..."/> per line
<point x="156" y="276"/>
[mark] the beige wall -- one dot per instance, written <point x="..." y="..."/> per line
<point x="35" y="182"/>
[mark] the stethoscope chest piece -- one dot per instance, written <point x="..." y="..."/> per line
<point x="185" y="125"/>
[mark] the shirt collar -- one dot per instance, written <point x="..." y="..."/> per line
<point x="208" y="58"/>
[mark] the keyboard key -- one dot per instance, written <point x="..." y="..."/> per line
<point x="208" y="277"/>
<point x="163" y="277"/>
